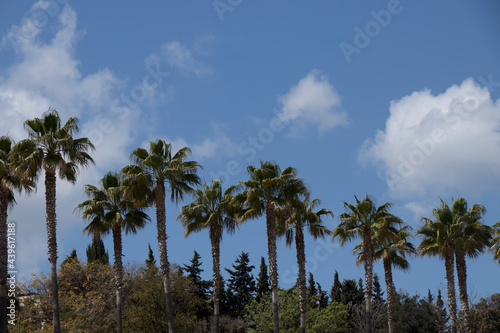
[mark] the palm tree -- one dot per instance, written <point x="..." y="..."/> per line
<point x="10" y="180"/>
<point x="268" y="188"/>
<point x="358" y="222"/>
<point x="392" y="245"/>
<point x="212" y="208"/>
<point x="151" y="173"/>
<point x="438" y="238"/>
<point x="109" y="210"/>
<point x="472" y="238"/>
<point x="53" y="148"/>
<point x="292" y="219"/>
<point x="495" y="242"/>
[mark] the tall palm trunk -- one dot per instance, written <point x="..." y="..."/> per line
<point x="273" y="262"/>
<point x="162" y="247"/>
<point x="450" y="278"/>
<point x="368" y="246"/>
<point x="215" y="240"/>
<point x="4" y="204"/>
<point x="462" y="286"/>
<point x="50" y="211"/>
<point x="390" y="293"/>
<point x="118" y="271"/>
<point x="301" y="261"/>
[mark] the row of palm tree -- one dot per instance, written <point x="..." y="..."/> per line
<point x="120" y="202"/>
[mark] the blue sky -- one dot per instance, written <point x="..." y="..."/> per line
<point x="397" y="99"/>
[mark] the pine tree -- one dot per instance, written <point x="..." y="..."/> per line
<point x="151" y="261"/>
<point x="194" y="274"/>
<point x="263" y="287"/>
<point x="97" y="252"/>
<point x="377" y="290"/>
<point x="241" y="287"/>
<point x="336" y="293"/>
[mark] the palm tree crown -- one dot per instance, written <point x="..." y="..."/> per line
<point x="212" y="206"/>
<point x="52" y="146"/>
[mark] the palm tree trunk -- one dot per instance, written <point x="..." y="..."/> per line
<point x="390" y="293"/>
<point x="301" y="261"/>
<point x="162" y="247"/>
<point x="4" y="204"/>
<point x="215" y="240"/>
<point x="368" y="247"/>
<point x="462" y="286"/>
<point x="50" y="211"/>
<point x="118" y="270"/>
<point x="450" y="278"/>
<point x="273" y="262"/>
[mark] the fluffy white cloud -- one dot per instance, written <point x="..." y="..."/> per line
<point x="439" y="144"/>
<point x="315" y="101"/>
<point x="46" y="74"/>
<point x="180" y="57"/>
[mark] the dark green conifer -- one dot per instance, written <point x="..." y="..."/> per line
<point x="336" y="293"/>
<point x="97" y="252"/>
<point x="377" y="290"/>
<point x="241" y="287"/>
<point x="263" y="287"/>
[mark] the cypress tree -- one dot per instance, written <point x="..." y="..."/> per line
<point x="336" y="293"/>
<point x="263" y="287"/>
<point x="360" y="297"/>
<point x="323" y="297"/>
<point x="441" y="314"/>
<point x="97" y="252"/>
<point x="151" y="261"/>
<point x="311" y="286"/>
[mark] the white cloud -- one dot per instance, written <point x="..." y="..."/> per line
<point x="46" y="74"/>
<point x="180" y="57"/>
<point x="439" y="144"/>
<point x="315" y="101"/>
